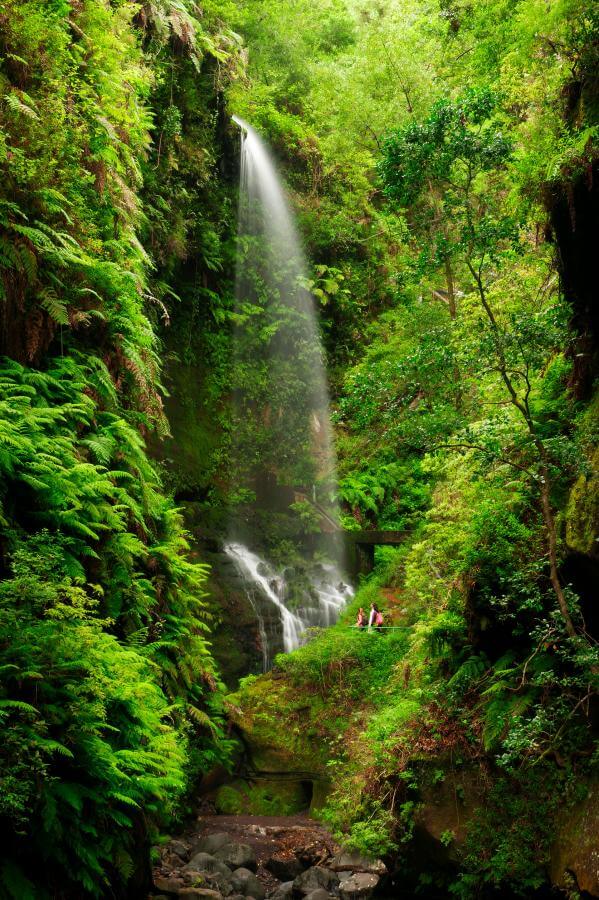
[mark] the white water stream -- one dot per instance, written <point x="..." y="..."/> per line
<point x="320" y="606"/>
<point x="283" y="432"/>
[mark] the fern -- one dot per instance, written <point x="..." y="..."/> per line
<point x="54" y="306"/>
<point x="498" y="713"/>
<point x="16" y="884"/>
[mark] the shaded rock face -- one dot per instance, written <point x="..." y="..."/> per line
<point x="263" y="796"/>
<point x="315" y="879"/>
<point x="353" y="862"/>
<point x="204" y="862"/>
<point x="245" y="882"/>
<point x="283" y="892"/>
<point x="211" y="843"/>
<point x="447" y="808"/>
<point x="361" y="885"/>
<point x="575" y="852"/>
<point x="284" y="869"/>
<point x="574" y="211"/>
<point x="237" y="856"/>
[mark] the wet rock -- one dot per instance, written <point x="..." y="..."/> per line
<point x="214" y="881"/>
<point x="284" y="869"/>
<point x="211" y="843"/>
<point x="245" y="882"/>
<point x="361" y="885"/>
<point x="195" y="893"/>
<point x="220" y="883"/>
<point x="354" y="862"/>
<point x="283" y="892"/>
<point x="237" y="856"/>
<point x="192" y="876"/>
<point x="320" y="894"/>
<point x="205" y="862"/>
<point x="179" y="849"/>
<point x="170" y="884"/>
<point x="314" y="879"/>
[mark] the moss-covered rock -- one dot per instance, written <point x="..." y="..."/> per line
<point x="282" y="727"/>
<point x="266" y="797"/>
<point x="450" y="797"/>
<point x="575" y="851"/>
<point x="582" y="512"/>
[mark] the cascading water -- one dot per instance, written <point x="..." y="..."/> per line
<point x="321" y="602"/>
<point x="282" y="448"/>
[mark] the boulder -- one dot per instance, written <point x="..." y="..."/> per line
<point x="282" y="892"/>
<point x="197" y="879"/>
<point x="211" y="843"/>
<point x="168" y="885"/>
<point x="284" y="869"/>
<point x="320" y="894"/>
<point x="204" y="862"/>
<point x="361" y="884"/>
<point x="245" y="882"/>
<point x="214" y="881"/>
<point x="179" y="849"/>
<point x="195" y="893"/>
<point x="354" y="862"/>
<point x="314" y="879"/>
<point x="237" y="856"/>
<point x="220" y="882"/>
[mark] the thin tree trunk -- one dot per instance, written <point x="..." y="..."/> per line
<point x="522" y="407"/>
<point x="549" y="521"/>
<point x="450" y="289"/>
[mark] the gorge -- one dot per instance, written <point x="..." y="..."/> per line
<point x="298" y="317"/>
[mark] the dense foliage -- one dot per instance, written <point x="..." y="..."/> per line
<point x="106" y="674"/>
<point x="440" y="156"/>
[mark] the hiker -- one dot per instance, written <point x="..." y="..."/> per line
<point x="375" y="620"/>
<point x="361" y="620"/>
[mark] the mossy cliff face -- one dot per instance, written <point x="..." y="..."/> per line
<point x="582" y="512"/>
<point x="234" y="638"/>
<point x="283" y="730"/>
<point x="575" y="852"/>
<point x="413" y="772"/>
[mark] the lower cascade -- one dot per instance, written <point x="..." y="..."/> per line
<point x="314" y="602"/>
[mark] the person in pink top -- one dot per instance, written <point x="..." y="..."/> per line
<point x="375" y="618"/>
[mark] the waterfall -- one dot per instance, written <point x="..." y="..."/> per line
<point x="282" y="453"/>
<point x="321" y="603"/>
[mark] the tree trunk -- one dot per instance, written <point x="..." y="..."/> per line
<point x="552" y="548"/>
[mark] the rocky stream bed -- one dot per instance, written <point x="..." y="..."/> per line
<point x="242" y="857"/>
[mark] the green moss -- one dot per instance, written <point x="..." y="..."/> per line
<point x="229" y="800"/>
<point x="283" y="728"/>
<point x="582" y="511"/>
<point x="272" y="797"/>
<point x="190" y="452"/>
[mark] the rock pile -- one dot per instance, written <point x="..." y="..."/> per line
<point x="215" y="867"/>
